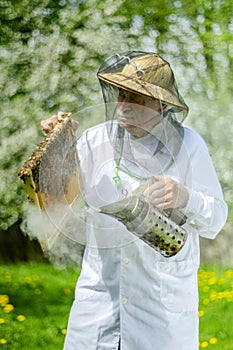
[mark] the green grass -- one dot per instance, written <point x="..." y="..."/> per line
<point x="35" y="300"/>
<point x="216" y="307"/>
<point x="41" y="294"/>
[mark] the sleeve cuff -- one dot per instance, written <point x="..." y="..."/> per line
<point x="194" y="203"/>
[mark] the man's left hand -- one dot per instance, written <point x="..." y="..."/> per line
<point x="167" y="193"/>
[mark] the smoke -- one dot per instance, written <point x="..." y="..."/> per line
<point x="60" y="231"/>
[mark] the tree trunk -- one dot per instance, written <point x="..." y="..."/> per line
<point x="15" y="246"/>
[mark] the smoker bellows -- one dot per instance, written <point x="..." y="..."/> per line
<point x="152" y="226"/>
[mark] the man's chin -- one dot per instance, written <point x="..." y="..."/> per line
<point x="134" y="131"/>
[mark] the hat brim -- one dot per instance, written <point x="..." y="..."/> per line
<point x="138" y="86"/>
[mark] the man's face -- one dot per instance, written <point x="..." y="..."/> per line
<point x="136" y="113"/>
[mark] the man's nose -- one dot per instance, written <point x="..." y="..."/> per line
<point x="125" y="109"/>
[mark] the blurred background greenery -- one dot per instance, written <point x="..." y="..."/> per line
<point x="49" y="55"/>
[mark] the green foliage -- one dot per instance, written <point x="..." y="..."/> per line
<point x="50" y="52"/>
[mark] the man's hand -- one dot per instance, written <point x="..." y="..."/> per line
<point x="167" y="193"/>
<point x="49" y="124"/>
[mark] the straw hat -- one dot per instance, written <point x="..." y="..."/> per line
<point x="148" y="75"/>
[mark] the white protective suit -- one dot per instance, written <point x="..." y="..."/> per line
<point x="126" y="289"/>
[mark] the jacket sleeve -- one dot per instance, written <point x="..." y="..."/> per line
<point x="206" y="209"/>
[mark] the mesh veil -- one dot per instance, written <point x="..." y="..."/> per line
<point x="147" y="74"/>
<point x="117" y="63"/>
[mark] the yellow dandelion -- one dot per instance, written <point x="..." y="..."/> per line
<point x="21" y="318"/>
<point x="35" y="277"/>
<point x="213" y="296"/>
<point x="64" y="331"/>
<point x="229" y="273"/>
<point x="213" y="341"/>
<point x="3" y="341"/>
<point x="4" y="299"/>
<point x="222" y="295"/>
<point x="206" y="301"/>
<point x="37" y="291"/>
<point x="201" y="313"/>
<point x="204" y="344"/>
<point x="68" y="291"/>
<point x="2" y="320"/>
<point x="27" y="279"/>
<point x="8" y="308"/>
<point x="212" y="280"/>
<point x="8" y="276"/>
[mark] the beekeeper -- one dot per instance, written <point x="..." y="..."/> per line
<point x="129" y="296"/>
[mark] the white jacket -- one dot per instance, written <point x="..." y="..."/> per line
<point x="126" y="289"/>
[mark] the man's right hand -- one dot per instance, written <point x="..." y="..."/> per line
<point x="49" y="124"/>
